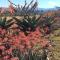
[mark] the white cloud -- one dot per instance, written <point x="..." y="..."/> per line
<point x="51" y="3"/>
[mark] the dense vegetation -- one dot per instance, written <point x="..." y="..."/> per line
<point x="30" y="37"/>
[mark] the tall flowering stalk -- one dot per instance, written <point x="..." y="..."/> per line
<point x="11" y="9"/>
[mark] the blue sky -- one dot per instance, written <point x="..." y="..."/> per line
<point x="41" y="3"/>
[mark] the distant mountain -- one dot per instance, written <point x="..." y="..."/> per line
<point x="38" y="10"/>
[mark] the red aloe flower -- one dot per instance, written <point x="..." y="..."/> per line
<point x="15" y="58"/>
<point x="16" y="41"/>
<point x="9" y="51"/>
<point x="44" y="42"/>
<point x="2" y="31"/>
<point x="2" y="11"/>
<point x="46" y="29"/>
<point x="1" y="40"/>
<point x="22" y="34"/>
<point x="11" y="9"/>
<point x="21" y="47"/>
<point x="6" y="57"/>
<point x="2" y="47"/>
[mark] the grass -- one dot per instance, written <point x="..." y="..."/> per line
<point x="56" y="40"/>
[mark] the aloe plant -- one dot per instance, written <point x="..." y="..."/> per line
<point x="4" y="23"/>
<point x="47" y="23"/>
<point x="27" y="23"/>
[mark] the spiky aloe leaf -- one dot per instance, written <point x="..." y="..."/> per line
<point x="49" y="21"/>
<point x="22" y="24"/>
<point x="27" y="23"/>
<point x="17" y="53"/>
<point x="9" y="25"/>
<point x="4" y="23"/>
<point x="46" y="24"/>
<point x="10" y="20"/>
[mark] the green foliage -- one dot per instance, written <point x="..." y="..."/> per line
<point x="48" y="21"/>
<point x="5" y="24"/>
<point x="29" y="56"/>
<point x="27" y="23"/>
<point x="16" y="53"/>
